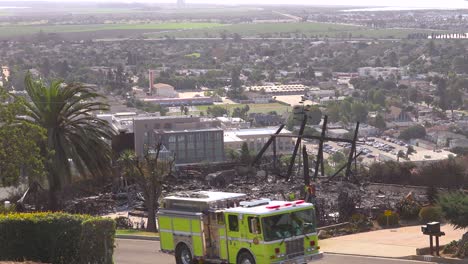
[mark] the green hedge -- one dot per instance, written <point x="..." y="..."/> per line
<point x="56" y="238"/>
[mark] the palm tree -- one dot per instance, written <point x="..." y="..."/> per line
<point x="75" y="137"/>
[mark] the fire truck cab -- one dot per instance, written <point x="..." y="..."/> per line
<point x="220" y="227"/>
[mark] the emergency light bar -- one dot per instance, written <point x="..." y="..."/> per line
<point x="271" y="207"/>
<point x="255" y="203"/>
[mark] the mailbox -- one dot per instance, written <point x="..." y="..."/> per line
<point x="424" y="229"/>
<point x="433" y="227"/>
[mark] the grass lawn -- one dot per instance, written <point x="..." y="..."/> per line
<point x="19" y="30"/>
<point x="131" y="232"/>
<point x="254" y="108"/>
<point x="308" y="28"/>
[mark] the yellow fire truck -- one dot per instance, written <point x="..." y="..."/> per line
<point x="220" y="227"/>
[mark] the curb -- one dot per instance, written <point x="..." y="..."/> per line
<point x="425" y="258"/>
<point x="429" y="258"/>
<point x="137" y="237"/>
<point x="367" y="256"/>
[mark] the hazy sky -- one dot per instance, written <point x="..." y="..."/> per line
<point x="400" y="3"/>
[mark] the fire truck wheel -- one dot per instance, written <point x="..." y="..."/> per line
<point x="183" y="255"/>
<point x="245" y="258"/>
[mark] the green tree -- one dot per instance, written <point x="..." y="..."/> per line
<point x="401" y="154"/>
<point x="455" y="208"/>
<point x="416" y="131"/>
<point x="149" y="172"/>
<point x="216" y="111"/>
<point x="379" y="122"/>
<point x="392" y="59"/>
<point x="75" y="137"/>
<point x="359" y="112"/>
<point x="338" y="157"/>
<point x="410" y="151"/>
<point x="20" y="151"/>
<point x="314" y="115"/>
<point x="235" y="78"/>
<point x="241" y="112"/>
<point x="379" y="98"/>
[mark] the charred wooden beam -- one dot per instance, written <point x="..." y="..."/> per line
<point x="351" y="153"/>
<point x="296" y="147"/>
<point x="305" y="158"/>
<point x="320" y="150"/>
<point x="265" y="147"/>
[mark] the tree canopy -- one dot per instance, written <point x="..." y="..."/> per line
<point x="74" y="136"/>
<point x="455" y="207"/>
<point x="417" y="131"/>
<point x="19" y="143"/>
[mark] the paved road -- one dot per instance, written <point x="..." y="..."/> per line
<point x="146" y="252"/>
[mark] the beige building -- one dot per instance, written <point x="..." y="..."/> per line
<point x="164" y="90"/>
<point x="256" y="138"/>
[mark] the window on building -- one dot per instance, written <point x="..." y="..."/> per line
<point x="157" y="126"/>
<point x="233" y="223"/>
<point x="167" y="126"/>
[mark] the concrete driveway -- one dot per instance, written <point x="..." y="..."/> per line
<point x="394" y="243"/>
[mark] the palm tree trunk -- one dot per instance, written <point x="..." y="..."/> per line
<point x="53" y="193"/>
<point x="52" y="177"/>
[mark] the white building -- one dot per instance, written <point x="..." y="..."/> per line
<point x="384" y="72"/>
<point x="230" y="123"/>
<point x="279" y="89"/>
<point x="256" y="138"/>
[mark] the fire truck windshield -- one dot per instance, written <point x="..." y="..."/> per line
<point x="287" y="225"/>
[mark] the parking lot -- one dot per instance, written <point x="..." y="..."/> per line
<point x="381" y="149"/>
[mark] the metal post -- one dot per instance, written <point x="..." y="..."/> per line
<point x="437" y="245"/>
<point x="431" y="245"/>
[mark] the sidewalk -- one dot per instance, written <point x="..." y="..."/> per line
<point x="393" y="243"/>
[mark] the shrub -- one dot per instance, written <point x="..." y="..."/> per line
<point x="430" y="214"/>
<point x="97" y="240"/>
<point x="451" y="247"/>
<point x="393" y="219"/>
<point x="408" y="209"/>
<point x="56" y="238"/>
<point x="360" y="221"/>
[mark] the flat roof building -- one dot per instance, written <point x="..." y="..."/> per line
<point x="256" y="138"/>
<point x="283" y="89"/>
<point x="190" y="139"/>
